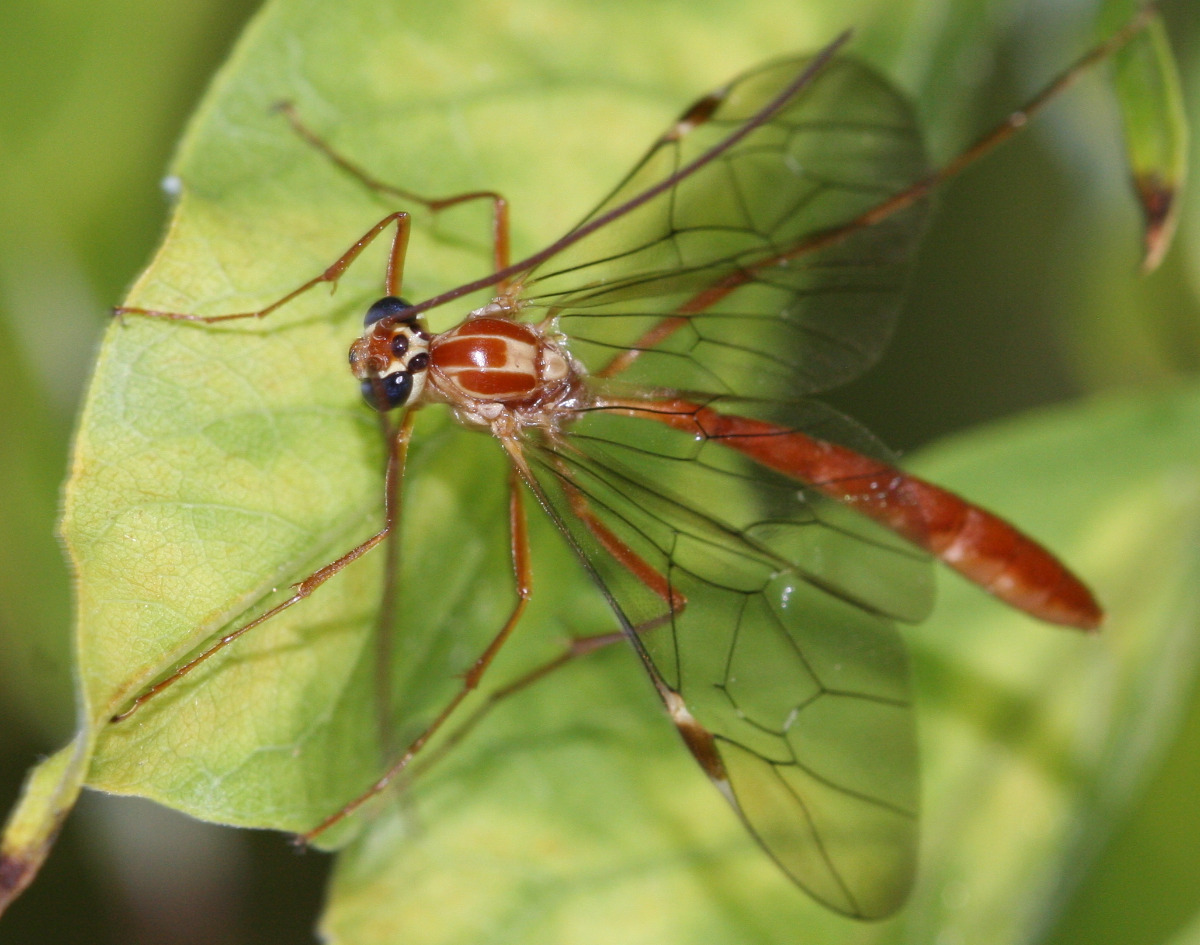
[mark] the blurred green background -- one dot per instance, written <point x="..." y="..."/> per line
<point x="1026" y="295"/>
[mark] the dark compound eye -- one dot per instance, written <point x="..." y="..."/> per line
<point x="387" y="307"/>
<point x="388" y="393"/>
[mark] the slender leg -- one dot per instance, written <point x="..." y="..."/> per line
<point x="576" y="649"/>
<point x="699" y="741"/>
<point x="395" y="273"/>
<point x="519" y="539"/>
<point x="1014" y="122"/>
<point x="625" y="555"/>
<point x="395" y="473"/>
<point x="385" y="621"/>
<point x="581" y="646"/>
<point x="500" y="231"/>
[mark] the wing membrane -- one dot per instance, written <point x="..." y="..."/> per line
<point x="734" y="248"/>
<point x="825" y="541"/>
<point x="728" y="288"/>
<point x="784" y="651"/>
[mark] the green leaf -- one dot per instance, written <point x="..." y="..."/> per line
<point x="215" y="465"/>
<point x="46" y="799"/>
<point x="1035" y="742"/>
<point x="570" y="818"/>
<point x="1189" y="935"/>
<point x="1156" y="128"/>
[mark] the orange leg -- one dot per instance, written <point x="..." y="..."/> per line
<point x="392" y="281"/>
<point x="394" y="277"/>
<point x="519" y="540"/>
<point x="576" y="649"/>
<point x="386" y="618"/>
<point x="1014" y="122"/>
<point x="395" y="473"/>
<point x="626" y="556"/>
<point x="500" y="230"/>
<point x="580" y="647"/>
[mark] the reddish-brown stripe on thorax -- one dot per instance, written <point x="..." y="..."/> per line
<point x="979" y="545"/>
<point x="496" y="359"/>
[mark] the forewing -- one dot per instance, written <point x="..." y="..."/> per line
<point x="736" y="247"/>
<point x="784" y="652"/>
<point x="747" y="283"/>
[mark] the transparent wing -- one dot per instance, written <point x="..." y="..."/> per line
<point x="749" y="283"/>
<point x="783" y="650"/>
<point x="764" y="308"/>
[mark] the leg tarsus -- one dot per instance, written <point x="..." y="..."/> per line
<point x="500" y="226"/>
<point x="331" y="275"/>
<point x="396" y="459"/>
<point x="519" y="546"/>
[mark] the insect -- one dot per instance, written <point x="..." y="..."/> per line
<point x="646" y="376"/>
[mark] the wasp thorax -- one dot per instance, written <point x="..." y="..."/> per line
<point x="502" y="361"/>
<point x="392" y="355"/>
